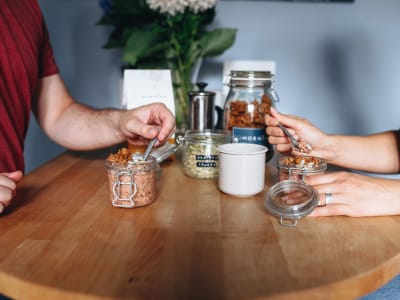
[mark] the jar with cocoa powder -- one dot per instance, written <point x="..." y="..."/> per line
<point x="297" y="167"/>
<point x="251" y="95"/>
<point x="133" y="182"/>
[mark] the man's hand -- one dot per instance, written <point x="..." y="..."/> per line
<point x="147" y="122"/>
<point x="8" y="185"/>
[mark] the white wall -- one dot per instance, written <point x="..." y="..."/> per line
<point x="337" y="64"/>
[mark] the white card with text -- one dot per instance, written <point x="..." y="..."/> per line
<point x="141" y="87"/>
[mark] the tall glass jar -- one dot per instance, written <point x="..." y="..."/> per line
<point x="251" y="95"/>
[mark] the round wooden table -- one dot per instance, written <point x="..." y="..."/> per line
<point x="62" y="239"/>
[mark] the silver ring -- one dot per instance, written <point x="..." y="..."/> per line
<point x="328" y="198"/>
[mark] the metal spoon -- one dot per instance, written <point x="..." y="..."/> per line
<point x="149" y="147"/>
<point x="301" y="147"/>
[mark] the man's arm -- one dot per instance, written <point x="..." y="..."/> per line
<point x="79" y="127"/>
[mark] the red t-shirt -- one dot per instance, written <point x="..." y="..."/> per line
<point x="25" y="56"/>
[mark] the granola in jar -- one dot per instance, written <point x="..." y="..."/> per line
<point x="296" y="167"/>
<point x="133" y="182"/>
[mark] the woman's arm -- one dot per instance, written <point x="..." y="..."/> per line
<point x="373" y="153"/>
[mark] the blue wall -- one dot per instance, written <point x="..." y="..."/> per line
<point x="337" y="64"/>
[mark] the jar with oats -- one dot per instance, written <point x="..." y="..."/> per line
<point x="251" y="95"/>
<point x="200" y="155"/>
<point x="133" y="182"/>
<point x="297" y="167"/>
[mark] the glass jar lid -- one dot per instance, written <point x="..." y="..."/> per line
<point x="291" y="200"/>
<point x="251" y="79"/>
<point x="206" y="137"/>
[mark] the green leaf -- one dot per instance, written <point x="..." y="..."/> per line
<point x="142" y="44"/>
<point x="215" y="42"/>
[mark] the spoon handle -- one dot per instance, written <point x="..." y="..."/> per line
<point x="149" y="147"/>
<point x="289" y="135"/>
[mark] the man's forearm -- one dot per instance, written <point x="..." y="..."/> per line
<point x="83" y="128"/>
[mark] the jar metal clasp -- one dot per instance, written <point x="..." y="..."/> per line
<point x="287" y="222"/>
<point x="132" y="188"/>
<point x="301" y="171"/>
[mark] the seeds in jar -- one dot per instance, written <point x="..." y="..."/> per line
<point x="200" y="160"/>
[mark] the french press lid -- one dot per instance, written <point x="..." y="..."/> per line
<point x="201" y="86"/>
<point x="291" y="200"/>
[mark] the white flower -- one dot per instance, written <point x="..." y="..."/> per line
<point x="201" y="5"/>
<point x="170" y="7"/>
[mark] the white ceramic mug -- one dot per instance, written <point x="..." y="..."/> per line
<point x="241" y="169"/>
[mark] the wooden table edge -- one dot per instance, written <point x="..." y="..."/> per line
<point x="349" y="288"/>
<point x="12" y="286"/>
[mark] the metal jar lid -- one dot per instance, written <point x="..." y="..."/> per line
<point x="251" y="79"/>
<point x="291" y="200"/>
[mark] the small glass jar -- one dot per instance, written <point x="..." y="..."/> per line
<point x="251" y="95"/>
<point x="132" y="181"/>
<point x="297" y="167"/>
<point x="200" y="154"/>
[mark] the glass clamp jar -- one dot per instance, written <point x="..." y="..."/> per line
<point x="251" y="95"/>
<point x="290" y="200"/>
<point x="133" y="183"/>
<point x="297" y="167"/>
<point x="200" y="154"/>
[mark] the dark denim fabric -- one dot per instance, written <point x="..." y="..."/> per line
<point x="390" y="291"/>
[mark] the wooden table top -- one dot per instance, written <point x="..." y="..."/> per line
<point x="62" y="239"/>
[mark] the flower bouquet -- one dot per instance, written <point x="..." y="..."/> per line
<point x="168" y="34"/>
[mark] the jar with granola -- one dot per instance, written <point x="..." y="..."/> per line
<point x="297" y="167"/>
<point x="133" y="182"/>
<point x="251" y="95"/>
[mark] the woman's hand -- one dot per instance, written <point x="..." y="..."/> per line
<point x="300" y="128"/>
<point x="8" y="185"/>
<point x="356" y="195"/>
<point x="146" y="122"/>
